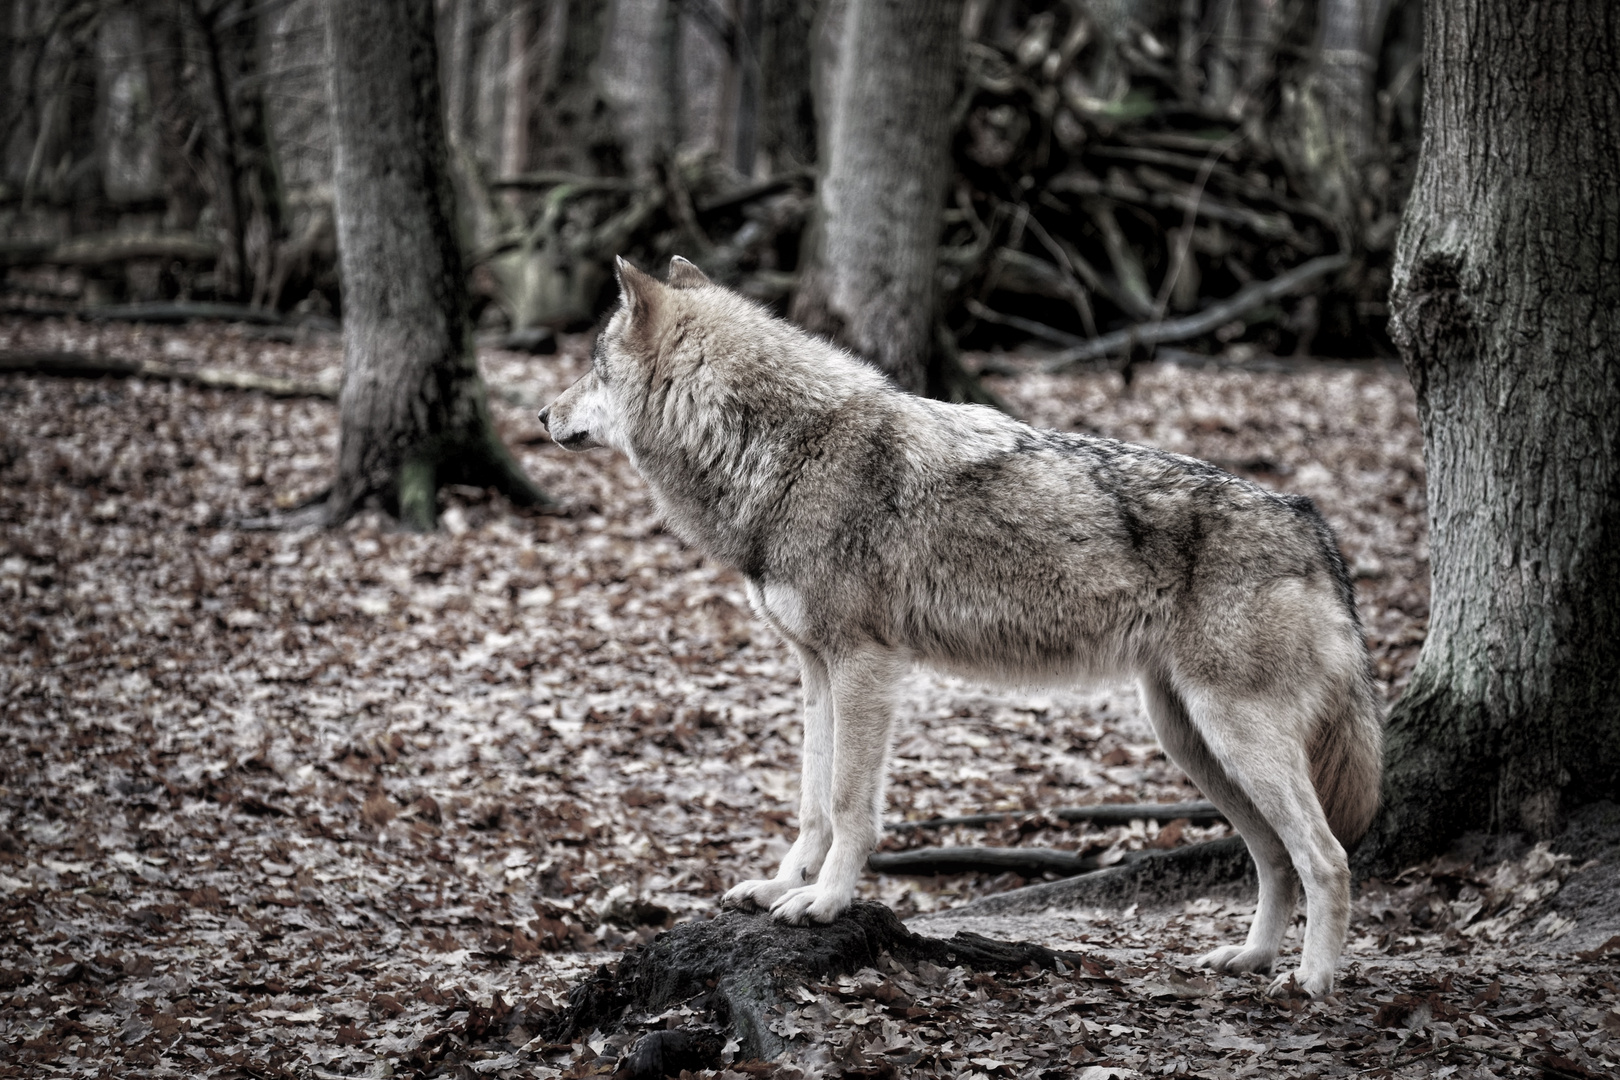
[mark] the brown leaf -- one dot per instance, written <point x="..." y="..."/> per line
<point x="378" y="810"/>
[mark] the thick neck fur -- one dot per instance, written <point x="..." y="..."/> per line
<point x="728" y="406"/>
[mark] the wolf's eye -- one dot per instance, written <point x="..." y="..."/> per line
<point x="596" y="359"/>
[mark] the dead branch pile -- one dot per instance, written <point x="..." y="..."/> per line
<point x="1109" y="195"/>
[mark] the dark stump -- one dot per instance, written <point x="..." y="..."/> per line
<point x="733" y="970"/>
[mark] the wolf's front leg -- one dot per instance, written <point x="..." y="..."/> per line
<point x="862" y="720"/>
<point x="804" y="859"/>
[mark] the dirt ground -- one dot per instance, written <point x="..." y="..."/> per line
<point x="364" y="803"/>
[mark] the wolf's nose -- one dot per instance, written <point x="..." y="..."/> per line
<point x="545" y="416"/>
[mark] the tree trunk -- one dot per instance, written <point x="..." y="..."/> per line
<point x="572" y="117"/>
<point x="1336" y="120"/>
<point x="1507" y="310"/>
<point x="787" y="111"/>
<point x="870" y="283"/>
<point x="131" y="165"/>
<point x="643" y="82"/>
<point x="414" y="411"/>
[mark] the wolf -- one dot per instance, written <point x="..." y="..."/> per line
<point x="877" y="529"/>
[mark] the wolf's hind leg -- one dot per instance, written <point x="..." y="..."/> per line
<point x="862" y="719"/>
<point x="1279" y="887"/>
<point x="809" y="851"/>
<point x="1262" y="747"/>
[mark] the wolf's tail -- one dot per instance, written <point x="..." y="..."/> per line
<point x="1347" y="761"/>
<point x="1347" y="751"/>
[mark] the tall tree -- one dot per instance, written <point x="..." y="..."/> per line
<point x="787" y="110"/>
<point x="576" y="134"/>
<point x="643" y="81"/>
<point x="415" y="414"/>
<point x="1507" y="310"/>
<point x="870" y="283"/>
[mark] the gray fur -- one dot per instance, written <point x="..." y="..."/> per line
<point x="878" y="529"/>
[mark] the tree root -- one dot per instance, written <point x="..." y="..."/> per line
<point x="735" y="969"/>
<point x="1216" y="867"/>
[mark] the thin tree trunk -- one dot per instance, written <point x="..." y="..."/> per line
<point x="745" y="145"/>
<point x="414" y="411"/>
<point x="233" y="272"/>
<point x="515" y="107"/>
<point x="787" y="110"/>
<point x="644" y="81"/>
<point x="131" y="165"/>
<point x="572" y="114"/>
<point x="870" y="284"/>
<point x="1338" y="122"/>
<point x="1507" y="310"/>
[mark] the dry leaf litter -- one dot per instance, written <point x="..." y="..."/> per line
<point x="362" y="802"/>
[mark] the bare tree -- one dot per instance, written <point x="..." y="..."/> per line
<point x="1507" y="310"/>
<point x="575" y="133"/>
<point x="871" y="280"/>
<point x="787" y="115"/>
<point x="415" y="414"/>
<point x="642" y="80"/>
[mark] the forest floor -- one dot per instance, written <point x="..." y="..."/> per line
<point x="363" y="802"/>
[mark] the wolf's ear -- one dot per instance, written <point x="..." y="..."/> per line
<point x="685" y="275"/>
<point x="639" y="291"/>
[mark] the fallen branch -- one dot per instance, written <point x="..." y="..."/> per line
<point x="541" y="181"/>
<point x="1211" y="318"/>
<point x="71" y="365"/>
<point x="80" y="366"/>
<point x="1030" y="862"/>
<point x="176" y="311"/>
<point x="759" y="190"/>
<point x="98" y="249"/>
<point x="1028" y="326"/>
<point x="1198" y="813"/>
<point x="184" y="311"/>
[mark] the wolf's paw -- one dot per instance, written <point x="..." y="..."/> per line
<point x="759" y="893"/>
<point x="809" y="904"/>
<point x="1314" y="984"/>
<point x="1237" y="958"/>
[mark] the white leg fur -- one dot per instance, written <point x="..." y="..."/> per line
<point x="1252" y="744"/>
<point x="1263" y="788"/>
<point x="862" y="721"/>
<point x="809" y="851"/>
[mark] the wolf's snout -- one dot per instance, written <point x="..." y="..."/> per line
<point x="545" y="416"/>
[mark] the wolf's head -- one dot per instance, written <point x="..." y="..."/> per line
<point x="717" y="402"/>
<point x="592" y="412"/>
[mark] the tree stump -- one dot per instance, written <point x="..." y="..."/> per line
<point x="734" y="969"/>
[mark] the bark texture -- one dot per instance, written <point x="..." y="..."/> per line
<point x="414" y="410"/>
<point x="1507" y="310"/>
<point x="870" y="284"/>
